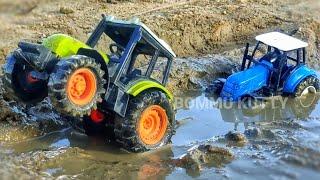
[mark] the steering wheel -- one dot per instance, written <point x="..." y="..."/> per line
<point x="116" y="49"/>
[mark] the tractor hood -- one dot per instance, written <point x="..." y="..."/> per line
<point x="245" y="82"/>
<point x="64" y="45"/>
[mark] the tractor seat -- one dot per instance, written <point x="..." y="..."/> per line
<point x="286" y="71"/>
<point x="284" y="74"/>
<point x="135" y="73"/>
<point x="271" y="56"/>
<point x="132" y="75"/>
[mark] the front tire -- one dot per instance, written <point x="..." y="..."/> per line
<point x="216" y="87"/>
<point x="148" y="124"/>
<point x="76" y="86"/>
<point x="308" y="85"/>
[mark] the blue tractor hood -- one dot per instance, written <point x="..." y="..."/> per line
<point x="246" y="82"/>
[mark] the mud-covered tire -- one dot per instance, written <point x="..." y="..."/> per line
<point x="58" y="85"/>
<point x="308" y="82"/>
<point x="127" y="128"/>
<point x="303" y="106"/>
<point x="216" y="87"/>
<point x="15" y="84"/>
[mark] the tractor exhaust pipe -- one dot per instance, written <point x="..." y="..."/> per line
<point x="245" y="57"/>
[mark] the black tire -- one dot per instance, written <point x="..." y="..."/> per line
<point x="310" y="81"/>
<point x="58" y="83"/>
<point x="16" y="85"/>
<point x="126" y="132"/>
<point x="216" y="87"/>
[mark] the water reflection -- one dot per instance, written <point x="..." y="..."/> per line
<point x="70" y="153"/>
<point x="283" y="108"/>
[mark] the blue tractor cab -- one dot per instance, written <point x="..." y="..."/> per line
<point x="281" y="70"/>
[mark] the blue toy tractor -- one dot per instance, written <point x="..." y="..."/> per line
<point x="281" y="71"/>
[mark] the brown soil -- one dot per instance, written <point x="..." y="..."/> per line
<point x="191" y="27"/>
<point x="203" y="156"/>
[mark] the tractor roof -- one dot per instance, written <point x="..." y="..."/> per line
<point x="281" y="41"/>
<point x="121" y="31"/>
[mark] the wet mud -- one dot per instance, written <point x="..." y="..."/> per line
<point x="210" y="142"/>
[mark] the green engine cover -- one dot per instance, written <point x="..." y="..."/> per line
<point x="64" y="46"/>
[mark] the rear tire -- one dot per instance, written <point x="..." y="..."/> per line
<point x="18" y="84"/>
<point x="307" y="85"/>
<point x="216" y="86"/>
<point x="152" y="109"/>
<point x="76" y="85"/>
<point x="302" y="107"/>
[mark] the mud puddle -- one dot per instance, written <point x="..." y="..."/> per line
<point x="276" y="142"/>
<point x="281" y="138"/>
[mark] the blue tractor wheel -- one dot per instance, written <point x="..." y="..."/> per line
<point x="308" y="85"/>
<point x="216" y="87"/>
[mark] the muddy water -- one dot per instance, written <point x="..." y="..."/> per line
<point x="281" y="143"/>
<point x="283" y="138"/>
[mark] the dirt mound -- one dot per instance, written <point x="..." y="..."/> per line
<point x="205" y="27"/>
<point x="197" y="73"/>
<point x="203" y="156"/>
<point x="191" y="27"/>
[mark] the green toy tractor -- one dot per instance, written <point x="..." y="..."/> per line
<point x="101" y="88"/>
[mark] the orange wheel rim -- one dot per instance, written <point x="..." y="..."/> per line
<point x="82" y="86"/>
<point x="152" y="125"/>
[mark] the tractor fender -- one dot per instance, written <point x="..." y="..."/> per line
<point x="137" y="86"/>
<point x="92" y="53"/>
<point x="63" y="46"/>
<point x="296" y="76"/>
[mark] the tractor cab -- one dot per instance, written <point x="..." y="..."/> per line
<point x="136" y="57"/>
<point x="276" y="66"/>
<point x="129" y="40"/>
<point x="284" y="53"/>
<point x="277" y="45"/>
